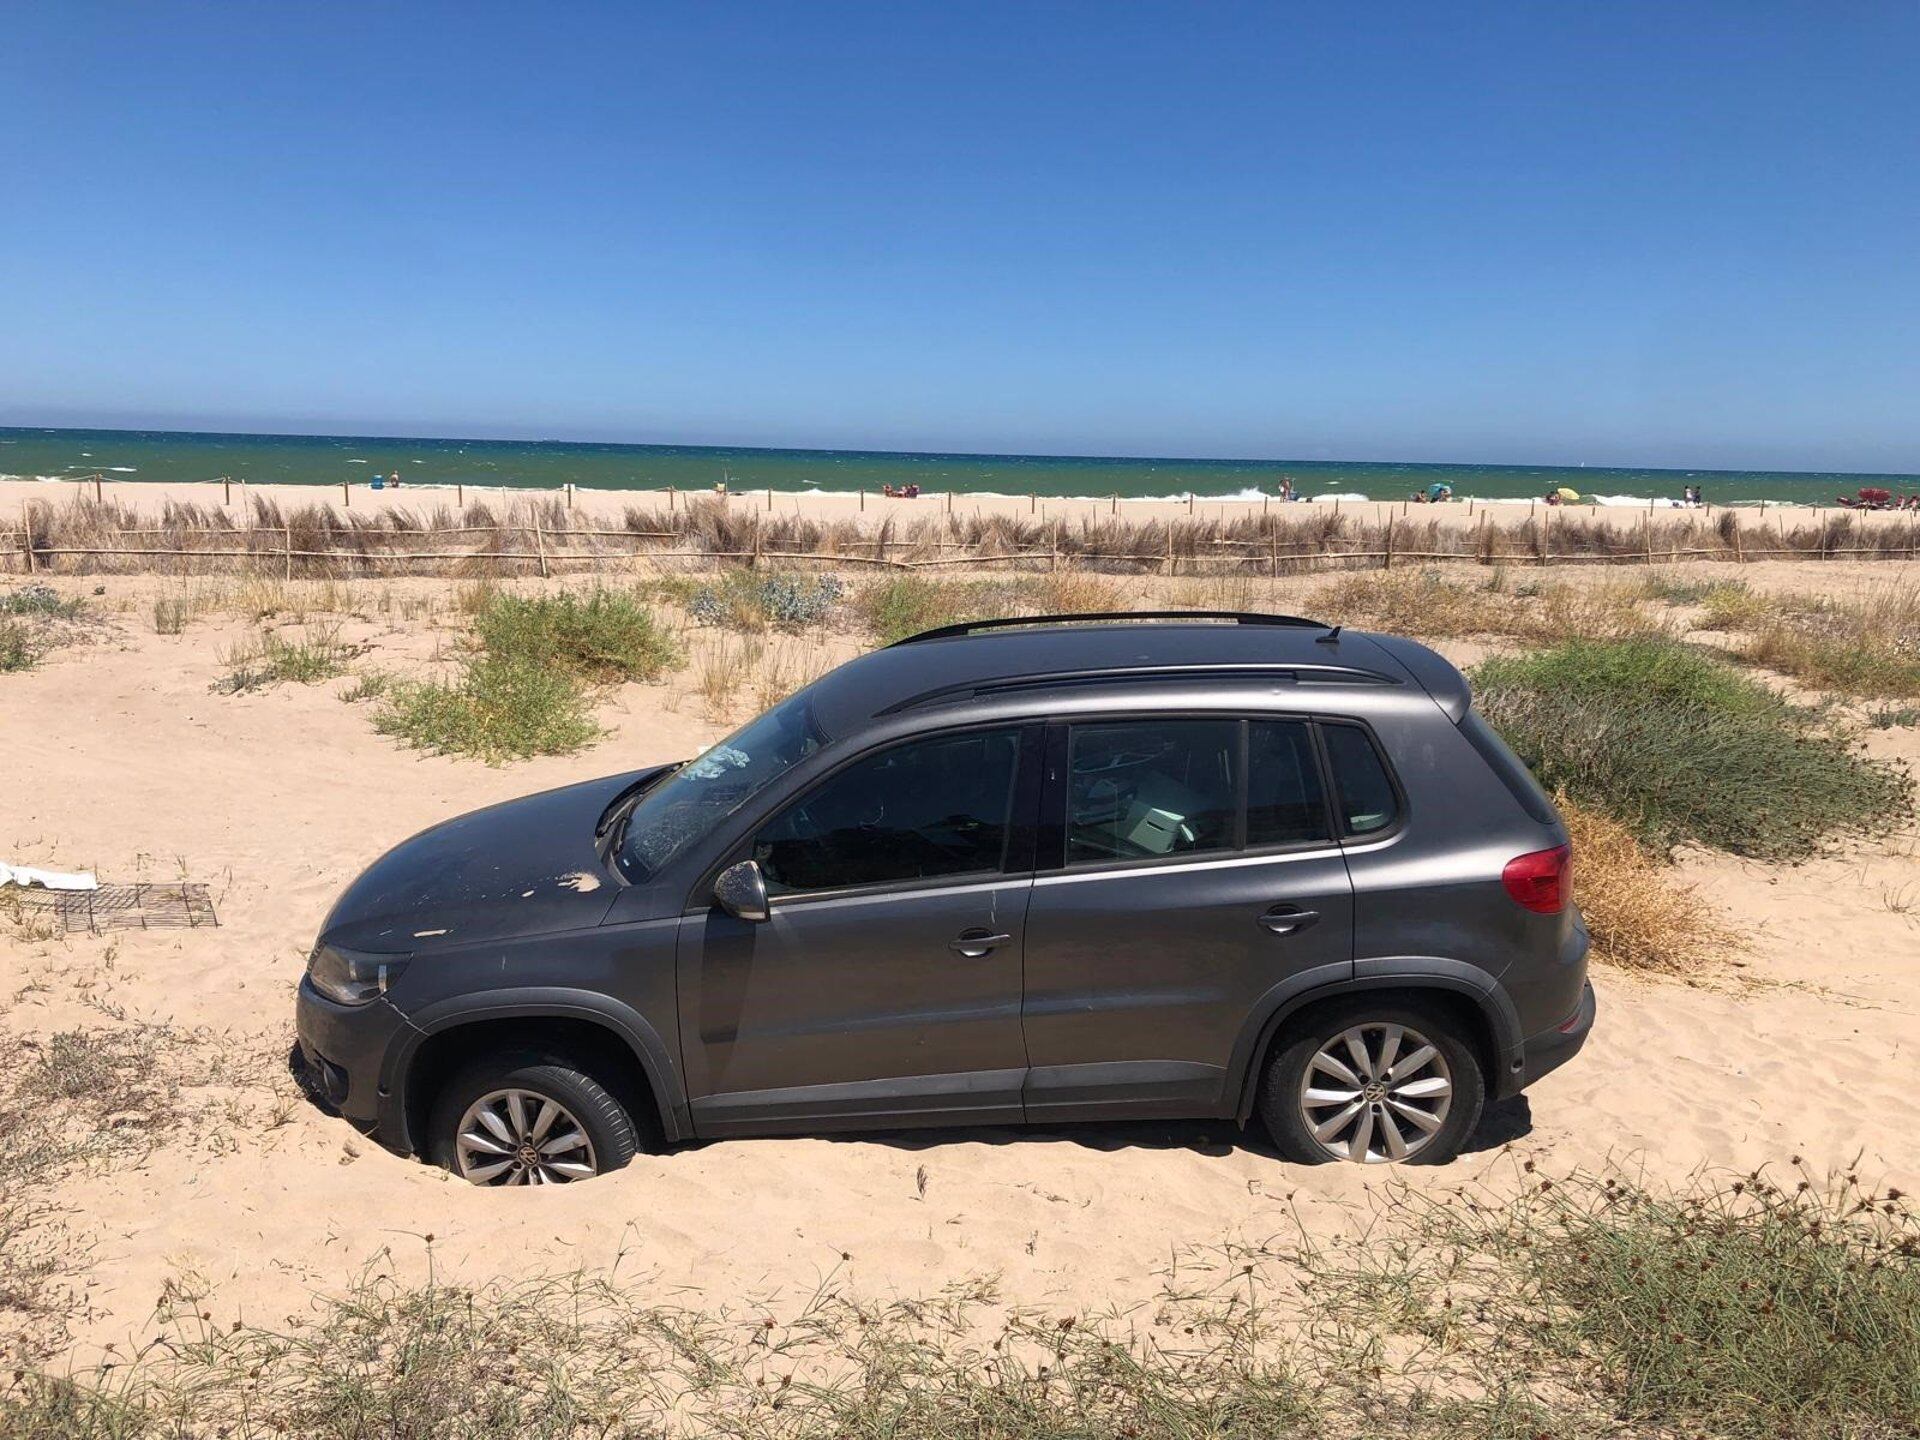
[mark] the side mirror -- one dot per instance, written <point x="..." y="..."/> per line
<point x="741" y="891"/>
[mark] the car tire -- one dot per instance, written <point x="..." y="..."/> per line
<point x="501" y="1102"/>
<point x="1315" y="1081"/>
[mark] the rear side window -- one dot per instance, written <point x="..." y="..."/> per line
<point x="1148" y="788"/>
<point x="1285" y="802"/>
<point x="1506" y="765"/>
<point x="1366" y="799"/>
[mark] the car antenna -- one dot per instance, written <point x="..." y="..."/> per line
<point x="1332" y="637"/>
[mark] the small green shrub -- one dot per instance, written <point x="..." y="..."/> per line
<point x="742" y="600"/>
<point x="41" y="600"/>
<point x="1681" y="747"/>
<point x="603" y="636"/>
<point x="498" y="709"/>
<point x="274" y="658"/>
<point x="1893" y="717"/>
<point x="17" y="651"/>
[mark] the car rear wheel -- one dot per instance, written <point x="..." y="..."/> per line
<point x="1373" y="1084"/>
<point x="529" y="1122"/>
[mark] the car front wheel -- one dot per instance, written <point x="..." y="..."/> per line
<point x="1372" y="1084"/>
<point x="529" y="1122"/>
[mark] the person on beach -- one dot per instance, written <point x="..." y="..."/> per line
<point x="1286" y="488"/>
<point x="393" y="480"/>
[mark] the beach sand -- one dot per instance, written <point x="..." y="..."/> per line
<point x="121" y="759"/>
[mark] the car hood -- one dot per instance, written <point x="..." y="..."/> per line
<point x="525" y="867"/>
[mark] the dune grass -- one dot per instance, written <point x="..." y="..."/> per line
<point x="273" y="658"/>
<point x="1678" y="747"/>
<point x="1867" y="646"/>
<point x="1583" y="1308"/>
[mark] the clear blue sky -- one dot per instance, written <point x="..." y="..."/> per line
<point x="1681" y="234"/>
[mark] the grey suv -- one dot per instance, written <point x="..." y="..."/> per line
<point x="1057" y="869"/>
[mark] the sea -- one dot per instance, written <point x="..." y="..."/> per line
<point x="166" y="455"/>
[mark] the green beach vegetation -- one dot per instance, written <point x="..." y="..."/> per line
<point x="528" y="687"/>
<point x="1681" y="747"/>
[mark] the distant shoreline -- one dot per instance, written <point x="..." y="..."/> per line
<point x="147" y="457"/>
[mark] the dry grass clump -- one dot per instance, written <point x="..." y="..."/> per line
<point x="1430" y="603"/>
<point x="1868" y="646"/>
<point x="1640" y="918"/>
<point x="893" y="609"/>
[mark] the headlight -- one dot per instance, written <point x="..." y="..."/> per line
<point x="352" y="977"/>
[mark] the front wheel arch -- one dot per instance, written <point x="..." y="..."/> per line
<point x="586" y="1045"/>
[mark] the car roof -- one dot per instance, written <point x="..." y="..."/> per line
<point x="1045" y="655"/>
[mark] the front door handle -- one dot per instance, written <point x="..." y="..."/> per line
<point x="1288" y="919"/>
<point x="975" y="943"/>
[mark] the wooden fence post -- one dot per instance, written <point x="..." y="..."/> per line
<point x="1739" y="556"/>
<point x="1273" y="554"/>
<point x="1169" y="569"/>
<point x="288" y="532"/>
<point x="1480" y="541"/>
<point x="1386" y="558"/>
<point x="539" y="545"/>
<point x="96" y="489"/>
<point x="26" y="521"/>
<point x="1646" y="534"/>
<point x="226" y="489"/>
<point x="346" y="494"/>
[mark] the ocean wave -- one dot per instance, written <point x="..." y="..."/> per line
<point x="123" y="469"/>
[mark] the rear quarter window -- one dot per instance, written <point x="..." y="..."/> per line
<point x="1367" y="801"/>
<point x="1507" y="767"/>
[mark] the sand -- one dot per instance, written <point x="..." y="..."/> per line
<point x="119" y="758"/>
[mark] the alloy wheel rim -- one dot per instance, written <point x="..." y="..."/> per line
<point x="1376" y="1093"/>
<point x="521" y="1137"/>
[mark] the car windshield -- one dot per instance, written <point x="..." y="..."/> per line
<point x="691" y="800"/>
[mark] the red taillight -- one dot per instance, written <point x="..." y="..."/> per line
<point x="1540" y="880"/>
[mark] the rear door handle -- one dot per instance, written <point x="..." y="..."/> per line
<point x="1289" y="919"/>
<point x="975" y="943"/>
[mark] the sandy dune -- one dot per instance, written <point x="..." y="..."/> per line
<point x="118" y="757"/>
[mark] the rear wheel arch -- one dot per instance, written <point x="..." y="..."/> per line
<point x="1475" y="1013"/>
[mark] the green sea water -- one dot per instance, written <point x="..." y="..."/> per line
<point x="138" y="455"/>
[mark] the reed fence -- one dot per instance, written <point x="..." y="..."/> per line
<point x="92" y="536"/>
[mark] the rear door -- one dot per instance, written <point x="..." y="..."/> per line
<point x="1194" y="868"/>
<point x="886" y="985"/>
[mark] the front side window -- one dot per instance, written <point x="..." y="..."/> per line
<point x="919" y="811"/>
<point x="1367" y="801"/>
<point x="1148" y="788"/>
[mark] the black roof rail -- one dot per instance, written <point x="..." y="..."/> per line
<point x="1139" y="674"/>
<point x="1238" y="617"/>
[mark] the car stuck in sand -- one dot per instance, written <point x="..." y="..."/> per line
<point x="1047" y="869"/>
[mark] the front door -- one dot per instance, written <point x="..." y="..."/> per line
<point x="886" y="985"/>
<point x="1195" y="869"/>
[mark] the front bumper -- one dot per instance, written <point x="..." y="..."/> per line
<point x="1551" y="1049"/>
<point x="343" y="1051"/>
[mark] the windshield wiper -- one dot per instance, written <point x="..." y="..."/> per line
<point x="621" y="810"/>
